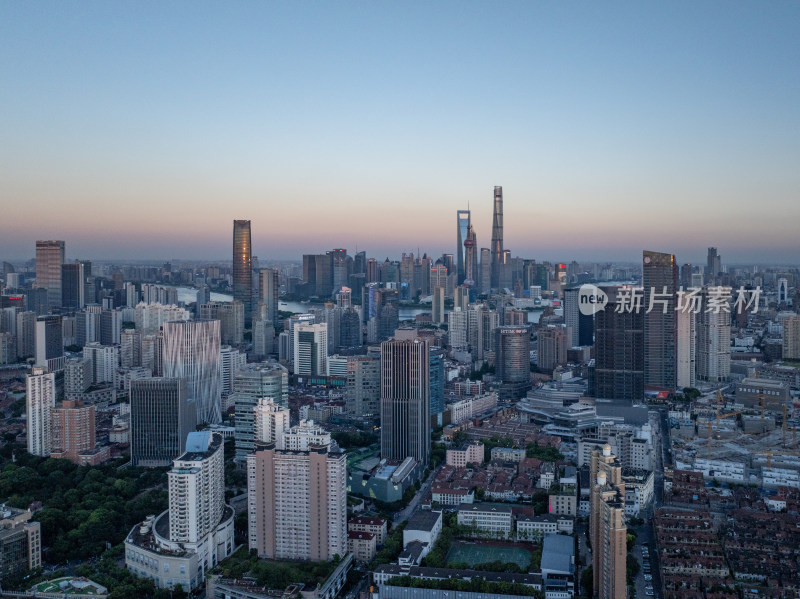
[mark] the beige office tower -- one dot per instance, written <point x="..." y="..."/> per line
<point x="791" y="338"/>
<point x="49" y="258"/>
<point x="437" y="312"/>
<point x="607" y="527"/>
<point x="297" y="503"/>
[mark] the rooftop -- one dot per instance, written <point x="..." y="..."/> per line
<point x="424" y="520"/>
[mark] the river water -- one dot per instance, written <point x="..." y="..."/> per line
<point x="188" y="295"/>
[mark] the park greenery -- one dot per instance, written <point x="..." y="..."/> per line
<point x="544" y="453"/>
<point x="83" y="508"/>
<point x="275" y="574"/>
<point x="355" y="439"/>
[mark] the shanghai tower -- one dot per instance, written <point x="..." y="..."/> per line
<point x="497" y="236"/>
<point x="242" y="271"/>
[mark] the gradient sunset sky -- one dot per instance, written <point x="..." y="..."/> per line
<point x="142" y="129"/>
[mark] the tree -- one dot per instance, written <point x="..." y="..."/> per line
<point x="587" y="582"/>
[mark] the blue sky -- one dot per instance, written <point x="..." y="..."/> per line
<point x="143" y="129"/>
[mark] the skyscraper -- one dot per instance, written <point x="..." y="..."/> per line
<point x="713" y="265"/>
<point x="72" y="286"/>
<point x="297" y="502"/>
<point x="40" y="398"/>
<point x="311" y="349"/>
<point x="471" y="259"/>
<point x="497" y="237"/>
<point x="242" y="267"/>
<point x="581" y="325"/>
<point x="607" y="528"/>
<point x="251" y="383"/>
<point x="660" y="281"/>
<point x="49" y="340"/>
<point x="269" y="285"/>
<point x="162" y="415"/>
<point x="462" y="230"/>
<point x="619" y="349"/>
<point x="686" y="348"/>
<point x="49" y="258"/>
<point x="405" y="400"/>
<point x="714" y="335"/>
<point x="512" y="360"/>
<point x="791" y="338"/>
<point x="191" y="351"/>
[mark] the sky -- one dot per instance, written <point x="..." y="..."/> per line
<point x="140" y="130"/>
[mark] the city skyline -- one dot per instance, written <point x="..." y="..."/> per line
<point x="318" y="123"/>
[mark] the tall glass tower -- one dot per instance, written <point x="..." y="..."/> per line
<point x="462" y="230"/>
<point x="497" y="237"/>
<point x="242" y="268"/>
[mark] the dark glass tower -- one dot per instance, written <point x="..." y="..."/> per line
<point x="72" y="286"/>
<point x="619" y="351"/>
<point x="513" y="360"/>
<point x="462" y="229"/>
<point x="660" y="281"/>
<point x="497" y="237"/>
<point x="405" y="400"/>
<point x="242" y="271"/>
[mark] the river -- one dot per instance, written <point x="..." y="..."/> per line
<point x="188" y="295"/>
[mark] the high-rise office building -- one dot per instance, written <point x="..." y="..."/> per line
<point x="268" y="287"/>
<point x="791" y="338"/>
<point x="485" y="276"/>
<point x="311" y="349"/>
<point x="72" y="286"/>
<point x="49" y="339"/>
<point x="20" y="542"/>
<point x="512" y="347"/>
<point x="552" y="345"/>
<point x="363" y="394"/>
<point x="713" y="266"/>
<point x="405" y="400"/>
<point x="191" y="351"/>
<point x="26" y="334"/>
<point x="49" y="258"/>
<point x="783" y="291"/>
<point x="162" y="415"/>
<point x="497" y="237"/>
<point x="40" y="398"/>
<point x="297" y="503"/>
<point x="619" y="348"/>
<point x="251" y="383"/>
<point x="581" y="325"/>
<point x="686" y="348"/>
<point x="437" y="380"/>
<point x="660" y="281"/>
<point x="713" y="352"/>
<point x="242" y="267"/>
<point x="462" y="230"/>
<point x="607" y="528"/>
<point x="231" y="316"/>
<point x="130" y="348"/>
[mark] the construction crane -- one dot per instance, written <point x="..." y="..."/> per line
<point x="710" y="433"/>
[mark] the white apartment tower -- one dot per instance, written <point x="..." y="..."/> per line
<point x="40" y="387"/>
<point x="270" y="422"/>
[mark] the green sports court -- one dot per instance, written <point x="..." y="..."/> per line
<point x="475" y="553"/>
